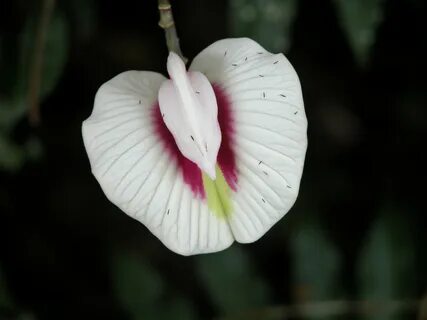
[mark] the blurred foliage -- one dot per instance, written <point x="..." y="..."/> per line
<point x="5" y="300"/>
<point x="11" y="155"/>
<point x="386" y="267"/>
<point x="143" y="292"/>
<point x="14" y="102"/>
<point x="268" y="22"/>
<point x="55" y="53"/>
<point x="316" y="263"/>
<point x="360" y="20"/>
<point x="232" y="281"/>
<point x="304" y="264"/>
<point x="83" y="16"/>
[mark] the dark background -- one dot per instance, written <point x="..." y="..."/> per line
<point x="356" y="232"/>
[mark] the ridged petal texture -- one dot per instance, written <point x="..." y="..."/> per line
<point x="267" y="148"/>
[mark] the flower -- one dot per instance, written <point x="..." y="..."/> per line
<point x="208" y="156"/>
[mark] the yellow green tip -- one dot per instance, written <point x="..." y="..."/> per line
<point x="218" y="194"/>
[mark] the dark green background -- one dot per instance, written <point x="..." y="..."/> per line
<point x="357" y="231"/>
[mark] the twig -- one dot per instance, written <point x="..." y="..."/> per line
<point x="37" y="63"/>
<point x="168" y="24"/>
<point x="329" y="309"/>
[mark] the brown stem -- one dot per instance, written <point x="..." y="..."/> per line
<point x="37" y="63"/>
<point x="167" y="23"/>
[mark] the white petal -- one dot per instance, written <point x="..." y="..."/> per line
<point x="189" y="109"/>
<point x="208" y="115"/>
<point x="270" y="130"/>
<point x="136" y="173"/>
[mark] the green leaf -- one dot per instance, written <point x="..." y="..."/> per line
<point x="386" y="265"/>
<point x="266" y="21"/>
<point x="54" y="54"/>
<point x="316" y="263"/>
<point x="14" y="105"/>
<point x="360" y="20"/>
<point x="231" y="280"/>
<point x="143" y="293"/>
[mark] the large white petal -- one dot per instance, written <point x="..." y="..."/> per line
<point x="136" y="173"/>
<point x="270" y="130"/>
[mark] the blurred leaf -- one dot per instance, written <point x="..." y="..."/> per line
<point x="266" y="21"/>
<point x="11" y="155"/>
<point x="360" y="20"/>
<point x="138" y="286"/>
<point x="386" y="266"/>
<point x="9" y="64"/>
<point x="34" y="148"/>
<point x="316" y="263"/>
<point x="84" y="17"/>
<point x="5" y="300"/>
<point x="54" y="54"/>
<point x="231" y="280"/>
<point x="143" y="293"/>
<point x="14" y="107"/>
<point x="13" y="104"/>
<point x="11" y="110"/>
<point x="177" y="309"/>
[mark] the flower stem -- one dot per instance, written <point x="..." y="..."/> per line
<point x="167" y="23"/>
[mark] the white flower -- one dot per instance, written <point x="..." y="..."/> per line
<point x="210" y="156"/>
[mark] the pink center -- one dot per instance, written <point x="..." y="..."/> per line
<point x="226" y="158"/>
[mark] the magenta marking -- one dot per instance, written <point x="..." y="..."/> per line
<point x="226" y="157"/>
<point x="190" y="171"/>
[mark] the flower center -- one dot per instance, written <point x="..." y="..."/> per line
<point x="226" y="159"/>
<point x="189" y="109"/>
